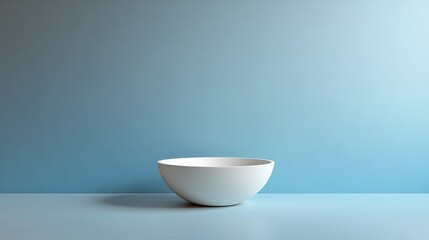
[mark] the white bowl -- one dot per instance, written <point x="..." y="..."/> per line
<point x="216" y="181"/>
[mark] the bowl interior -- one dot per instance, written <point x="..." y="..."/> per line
<point x="214" y="162"/>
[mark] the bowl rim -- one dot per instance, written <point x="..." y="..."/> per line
<point x="264" y="162"/>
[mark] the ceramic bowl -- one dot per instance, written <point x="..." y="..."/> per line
<point x="216" y="181"/>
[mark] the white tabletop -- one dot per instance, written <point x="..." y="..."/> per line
<point x="165" y="216"/>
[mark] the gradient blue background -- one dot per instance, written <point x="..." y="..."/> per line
<point x="92" y="93"/>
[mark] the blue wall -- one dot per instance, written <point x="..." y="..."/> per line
<point x="92" y="93"/>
